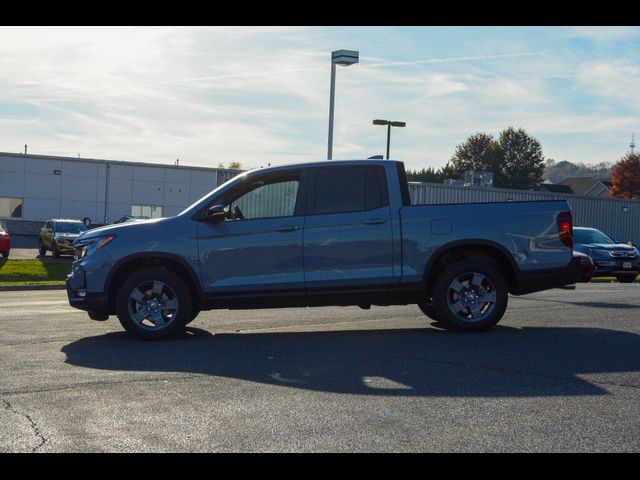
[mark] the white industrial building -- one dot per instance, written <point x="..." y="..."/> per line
<point x="38" y="187"/>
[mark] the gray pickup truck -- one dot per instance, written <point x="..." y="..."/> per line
<point x="326" y="233"/>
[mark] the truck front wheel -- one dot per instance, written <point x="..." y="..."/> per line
<point x="153" y="303"/>
<point x="470" y="296"/>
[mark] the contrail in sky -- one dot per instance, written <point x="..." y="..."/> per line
<point x="452" y="59"/>
<point x="364" y="65"/>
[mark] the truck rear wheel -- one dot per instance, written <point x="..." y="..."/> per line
<point x="154" y="303"/>
<point x="470" y="296"/>
<point x="428" y="310"/>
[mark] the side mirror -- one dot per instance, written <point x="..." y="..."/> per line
<point x="215" y="214"/>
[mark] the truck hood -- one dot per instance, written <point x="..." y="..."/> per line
<point x="114" y="229"/>
<point x="620" y="247"/>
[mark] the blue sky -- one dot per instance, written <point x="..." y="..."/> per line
<point x="260" y="95"/>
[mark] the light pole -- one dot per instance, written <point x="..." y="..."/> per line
<point x="343" y="58"/>
<point x="389" y="124"/>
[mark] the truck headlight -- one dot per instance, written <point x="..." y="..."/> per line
<point x="86" y="247"/>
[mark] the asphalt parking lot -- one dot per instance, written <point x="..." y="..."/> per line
<point x="561" y="372"/>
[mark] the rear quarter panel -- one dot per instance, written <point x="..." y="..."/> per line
<point x="526" y="230"/>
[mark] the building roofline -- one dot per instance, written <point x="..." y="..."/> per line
<point x="115" y="162"/>
<point x="565" y="196"/>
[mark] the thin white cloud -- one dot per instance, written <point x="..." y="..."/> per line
<point x="617" y="80"/>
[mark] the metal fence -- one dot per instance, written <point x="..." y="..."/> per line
<point x="617" y="218"/>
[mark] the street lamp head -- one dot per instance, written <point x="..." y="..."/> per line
<point x="344" y="58"/>
<point x="389" y="124"/>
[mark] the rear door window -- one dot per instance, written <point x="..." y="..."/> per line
<point x="349" y="189"/>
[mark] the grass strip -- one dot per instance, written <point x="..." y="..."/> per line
<point x="34" y="270"/>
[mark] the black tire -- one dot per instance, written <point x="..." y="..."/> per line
<point x="54" y="250"/>
<point x="428" y="310"/>
<point x="41" y="248"/>
<point x="149" y="291"/>
<point x="626" y="278"/>
<point x="194" y="314"/>
<point x="459" y="292"/>
<point x="5" y="254"/>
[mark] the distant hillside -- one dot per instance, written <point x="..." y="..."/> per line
<point x="557" y="171"/>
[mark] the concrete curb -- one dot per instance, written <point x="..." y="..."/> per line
<point x="12" y="288"/>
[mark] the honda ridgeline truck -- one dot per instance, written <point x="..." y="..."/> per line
<point x="326" y="233"/>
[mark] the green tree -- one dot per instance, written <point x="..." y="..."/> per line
<point x="429" y="174"/>
<point x="232" y="166"/>
<point x="480" y="152"/>
<point x="625" y="177"/>
<point x="521" y="160"/>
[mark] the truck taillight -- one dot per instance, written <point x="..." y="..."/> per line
<point x="565" y="228"/>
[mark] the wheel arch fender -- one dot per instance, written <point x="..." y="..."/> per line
<point x="464" y="249"/>
<point x="171" y="261"/>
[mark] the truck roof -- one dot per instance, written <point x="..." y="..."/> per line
<point x="324" y="163"/>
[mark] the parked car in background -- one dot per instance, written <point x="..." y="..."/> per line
<point x="611" y="258"/>
<point x="5" y="243"/>
<point x="587" y="266"/>
<point x="57" y="235"/>
<point x="131" y="218"/>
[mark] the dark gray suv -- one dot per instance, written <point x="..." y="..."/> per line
<point x="611" y="258"/>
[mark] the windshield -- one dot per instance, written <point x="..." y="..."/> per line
<point x="70" y="227"/>
<point x="591" y="236"/>
<point x="212" y="193"/>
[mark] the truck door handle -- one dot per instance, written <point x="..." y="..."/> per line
<point x="291" y="228"/>
<point x="375" y="221"/>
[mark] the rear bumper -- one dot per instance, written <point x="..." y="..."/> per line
<point x="538" y="280"/>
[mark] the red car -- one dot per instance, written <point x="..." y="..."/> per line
<point x="5" y="243"/>
<point x="587" y="266"/>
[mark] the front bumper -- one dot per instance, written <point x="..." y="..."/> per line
<point x="95" y="303"/>
<point x="605" y="268"/>
<point x="85" y="286"/>
<point x="64" y="246"/>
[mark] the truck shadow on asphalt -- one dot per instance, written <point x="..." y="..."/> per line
<point x="505" y="362"/>
<point x="616" y="305"/>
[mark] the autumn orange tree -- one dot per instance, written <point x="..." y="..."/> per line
<point x="625" y="177"/>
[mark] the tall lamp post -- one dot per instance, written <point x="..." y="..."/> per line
<point x="344" y="58"/>
<point x="389" y="124"/>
